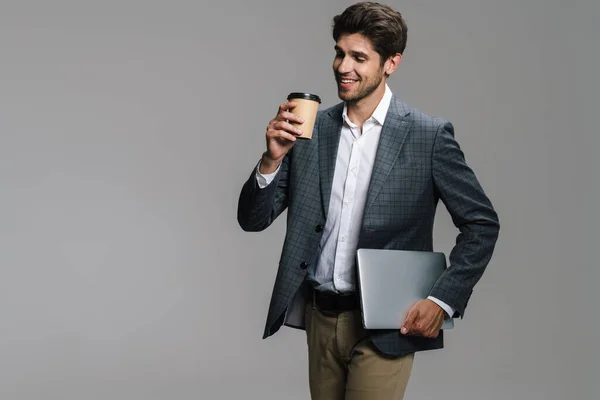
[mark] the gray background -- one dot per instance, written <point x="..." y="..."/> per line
<point x="128" y="127"/>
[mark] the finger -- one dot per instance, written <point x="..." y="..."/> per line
<point x="280" y="134"/>
<point x="286" y="126"/>
<point x="418" y="327"/>
<point x="286" y="106"/>
<point x="433" y="332"/>
<point x="431" y="327"/>
<point x="288" y="116"/>
<point x="410" y="320"/>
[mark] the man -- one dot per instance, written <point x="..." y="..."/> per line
<point x="371" y="177"/>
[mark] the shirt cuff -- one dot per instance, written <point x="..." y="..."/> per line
<point x="449" y="310"/>
<point x="263" y="180"/>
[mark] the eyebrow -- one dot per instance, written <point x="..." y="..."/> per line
<point x="353" y="52"/>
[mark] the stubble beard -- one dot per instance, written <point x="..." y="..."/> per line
<point x="362" y="92"/>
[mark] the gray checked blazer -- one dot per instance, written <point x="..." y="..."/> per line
<point x="418" y="162"/>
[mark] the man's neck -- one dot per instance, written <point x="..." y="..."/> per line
<point x="362" y="110"/>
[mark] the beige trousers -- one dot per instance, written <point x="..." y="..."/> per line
<point x="343" y="365"/>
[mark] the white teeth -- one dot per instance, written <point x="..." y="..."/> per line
<point x="347" y="81"/>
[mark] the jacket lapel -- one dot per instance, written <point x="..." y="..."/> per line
<point x="329" y="139"/>
<point x="395" y="128"/>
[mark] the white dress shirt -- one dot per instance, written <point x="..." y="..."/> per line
<point x="334" y="270"/>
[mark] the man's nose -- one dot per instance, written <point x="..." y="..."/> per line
<point x="345" y="66"/>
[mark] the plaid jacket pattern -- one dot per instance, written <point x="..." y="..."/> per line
<point x="418" y="163"/>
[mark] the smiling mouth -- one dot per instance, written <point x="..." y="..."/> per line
<point x="346" y="84"/>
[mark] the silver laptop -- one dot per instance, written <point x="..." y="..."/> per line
<point x="391" y="281"/>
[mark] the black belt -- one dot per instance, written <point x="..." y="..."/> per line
<point x="333" y="302"/>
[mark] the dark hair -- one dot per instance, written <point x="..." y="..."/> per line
<point x="381" y="24"/>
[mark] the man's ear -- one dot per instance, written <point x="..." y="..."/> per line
<point x="391" y="64"/>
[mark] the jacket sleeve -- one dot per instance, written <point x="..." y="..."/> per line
<point x="471" y="212"/>
<point x="259" y="207"/>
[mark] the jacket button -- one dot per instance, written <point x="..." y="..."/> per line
<point x="303" y="265"/>
<point x="318" y="228"/>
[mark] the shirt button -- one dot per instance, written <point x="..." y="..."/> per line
<point x="343" y="239"/>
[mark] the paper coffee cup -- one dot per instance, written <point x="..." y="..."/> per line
<point x="307" y="105"/>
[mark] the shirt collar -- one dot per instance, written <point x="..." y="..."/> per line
<point x="381" y="110"/>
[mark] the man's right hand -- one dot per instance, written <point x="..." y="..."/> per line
<point x="281" y="136"/>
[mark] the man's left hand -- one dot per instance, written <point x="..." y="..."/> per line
<point x="425" y="318"/>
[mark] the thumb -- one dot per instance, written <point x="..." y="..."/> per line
<point x="410" y="320"/>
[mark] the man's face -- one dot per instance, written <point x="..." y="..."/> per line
<point x="357" y="68"/>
